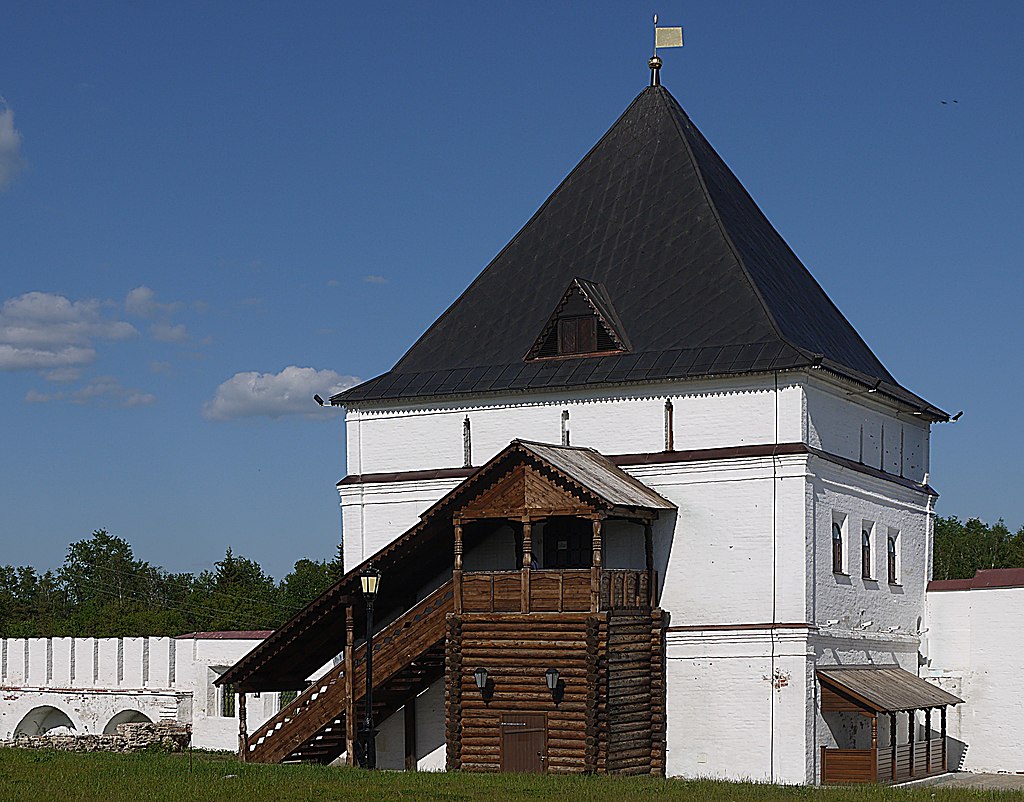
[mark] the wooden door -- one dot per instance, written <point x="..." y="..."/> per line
<point x="524" y="743"/>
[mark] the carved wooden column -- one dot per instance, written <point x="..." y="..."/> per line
<point x="652" y="590"/>
<point x="928" y="739"/>
<point x="243" y="734"/>
<point x="527" y="564"/>
<point x="874" y="747"/>
<point x="457" y="568"/>
<point x="942" y="715"/>
<point x="892" y="743"/>
<point x="911" y="726"/>
<point x="350" y="691"/>
<point x="595" y="569"/>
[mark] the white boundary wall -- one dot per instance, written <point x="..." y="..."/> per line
<point x="82" y="684"/>
<point x="975" y="646"/>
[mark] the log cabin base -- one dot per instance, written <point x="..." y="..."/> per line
<point x="605" y="715"/>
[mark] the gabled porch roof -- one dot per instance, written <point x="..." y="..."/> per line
<point x="562" y="480"/>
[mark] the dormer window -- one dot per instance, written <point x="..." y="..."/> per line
<point x="583" y="324"/>
<point x="577" y="335"/>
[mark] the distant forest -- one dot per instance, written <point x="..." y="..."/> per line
<point x="103" y="590"/>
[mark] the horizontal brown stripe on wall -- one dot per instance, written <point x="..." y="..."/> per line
<point x="732" y="627"/>
<point x="660" y="458"/>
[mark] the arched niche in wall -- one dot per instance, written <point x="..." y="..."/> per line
<point x="126" y="717"/>
<point x="45" y="720"/>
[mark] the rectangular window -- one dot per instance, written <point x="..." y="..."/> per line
<point x="577" y="335"/>
<point x="866" y="540"/>
<point x="227" y="701"/>
<point x="568" y="543"/>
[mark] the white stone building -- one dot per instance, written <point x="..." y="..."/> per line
<point x="79" y="686"/>
<point x="647" y="328"/>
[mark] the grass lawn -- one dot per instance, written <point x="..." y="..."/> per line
<point x="28" y="775"/>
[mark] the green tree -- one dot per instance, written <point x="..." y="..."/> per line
<point x="307" y="580"/>
<point x="961" y="548"/>
<point x="238" y="594"/>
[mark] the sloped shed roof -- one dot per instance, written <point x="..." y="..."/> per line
<point x="886" y="689"/>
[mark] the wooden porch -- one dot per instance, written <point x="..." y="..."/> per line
<point x="873" y="691"/>
<point x="596" y="630"/>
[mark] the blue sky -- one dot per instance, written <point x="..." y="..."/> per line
<point x="209" y="211"/>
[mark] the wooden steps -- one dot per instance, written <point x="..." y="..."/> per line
<point x="408" y="655"/>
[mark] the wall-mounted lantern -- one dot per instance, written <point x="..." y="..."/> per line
<point x="551" y="679"/>
<point x="480" y="678"/>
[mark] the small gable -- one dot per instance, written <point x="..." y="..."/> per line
<point x="584" y="323"/>
<point x="522" y="491"/>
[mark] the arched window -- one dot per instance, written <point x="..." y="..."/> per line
<point x="891" y="553"/>
<point x="865" y="553"/>
<point x="837" y="548"/>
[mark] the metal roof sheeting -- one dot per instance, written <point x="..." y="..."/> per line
<point x="887" y="688"/>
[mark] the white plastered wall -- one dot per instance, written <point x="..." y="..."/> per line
<point x="430" y="738"/>
<point x="976" y="650"/>
<point x="381" y="439"/>
<point x="736" y="704"/>
<point x="849" y="422"/>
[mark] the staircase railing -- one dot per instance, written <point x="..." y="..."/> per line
<point x="394" y="647"/>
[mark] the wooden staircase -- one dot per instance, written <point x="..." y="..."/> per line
<point x="408" y="655"/>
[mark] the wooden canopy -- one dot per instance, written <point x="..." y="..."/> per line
<point x="524" y="481"/>
<point x="879" y="689"/>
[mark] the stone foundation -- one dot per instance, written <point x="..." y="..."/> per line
<point x="167" y="737"/>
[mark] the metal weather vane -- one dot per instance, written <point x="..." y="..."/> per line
<point x="663" y="37"/>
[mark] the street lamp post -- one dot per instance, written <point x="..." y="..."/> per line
<point x="370" y="580"/>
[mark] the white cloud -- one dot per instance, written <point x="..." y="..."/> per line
<point x="372" y="279"/>
<point x="275" y="395"/>
<point x="64" y="375"/>
<point x="141" y="302"/>
<point x="104" y="391"/>
<point x="11" y="162"/>
<point x="41" y="330"/>
<point x="167" y="333"/>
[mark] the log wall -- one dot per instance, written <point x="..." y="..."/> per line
<point x="516" y="650"/>
<point x="608" y="715"/>
<point x="632" y="708"/>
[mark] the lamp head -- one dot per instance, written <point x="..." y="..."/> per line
<point x="370" y="581"/>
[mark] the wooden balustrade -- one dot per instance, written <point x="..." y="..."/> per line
<point x="553" y="591"/>
<point x="913" y="761"/>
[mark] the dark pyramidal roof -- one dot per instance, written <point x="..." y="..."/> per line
<point x="700" y="281"/>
